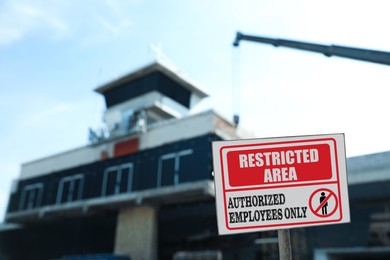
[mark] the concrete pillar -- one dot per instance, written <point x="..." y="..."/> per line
<point x="136" y="233"/>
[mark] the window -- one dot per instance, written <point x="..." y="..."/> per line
<point x="168" y="172"/>
<point x="31" y="196"/>
<point x="118" y="179"/>
<point x="70" y="188"/>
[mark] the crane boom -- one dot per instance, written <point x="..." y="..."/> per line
<point x="374" y="56"/>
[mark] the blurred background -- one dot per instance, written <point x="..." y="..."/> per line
<point x="53" y="54"/>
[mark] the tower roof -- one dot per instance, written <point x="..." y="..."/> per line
<point x="156" y="76"/>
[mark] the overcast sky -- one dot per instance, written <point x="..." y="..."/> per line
<point x="53" y="54"/>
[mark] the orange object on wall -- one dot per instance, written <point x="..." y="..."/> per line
<point x="103" y="155"/>
<point x="126" y="147"/>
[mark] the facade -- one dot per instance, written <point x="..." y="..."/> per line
<point x="115" y="195"/>
<point x="143" y="188"/>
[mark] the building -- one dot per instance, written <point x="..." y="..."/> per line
<point x="116" y="194"/>
<point x="144" y="188"/>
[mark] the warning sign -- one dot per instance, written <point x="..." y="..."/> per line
<point x="275" y="183"/>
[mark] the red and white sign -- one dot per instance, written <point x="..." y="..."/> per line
<point x="276" y="183"/>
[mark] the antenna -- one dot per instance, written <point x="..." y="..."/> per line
<point x="160" y="56"/>
<point x="157" y="51"/>
<point x="163" y="58"/>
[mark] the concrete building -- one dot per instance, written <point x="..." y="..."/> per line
<point x="143" y="188"/>
<point x="110" y="196"/>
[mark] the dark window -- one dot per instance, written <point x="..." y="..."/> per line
<point x="155" y="81"/>
<point x="168" y="172"/>
<point x="70" y="188"/>
<point x="31" y="196"/>
<point x="117" y="179"/>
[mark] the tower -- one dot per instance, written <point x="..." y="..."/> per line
<point x="152" y="94"/>
<point x="154" y="154"/>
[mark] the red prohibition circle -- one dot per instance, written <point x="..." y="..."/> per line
<point x="331" y="194"/>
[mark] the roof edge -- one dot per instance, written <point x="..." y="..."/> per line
<point x="157" y="65"/>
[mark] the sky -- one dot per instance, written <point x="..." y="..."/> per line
<point x="53" y="54"/>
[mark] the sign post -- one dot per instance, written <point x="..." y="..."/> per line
<point x="284" y="244"/>
<point x="280" y="183"/>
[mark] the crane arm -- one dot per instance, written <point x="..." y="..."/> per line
<point x="374" y="56"/>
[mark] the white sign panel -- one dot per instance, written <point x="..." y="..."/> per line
<point x="277" y="183"/>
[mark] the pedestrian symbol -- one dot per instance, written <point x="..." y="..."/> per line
<point x="323" y="203"/>
<point x="324" y="206"/>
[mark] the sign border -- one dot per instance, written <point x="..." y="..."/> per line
<point x="287" y="140"/>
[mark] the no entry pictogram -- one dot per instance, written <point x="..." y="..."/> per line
<point x="323" y="202"/>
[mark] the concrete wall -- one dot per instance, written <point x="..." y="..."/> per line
<point x="136" y="233"/>
<point x="161" y="133"/>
